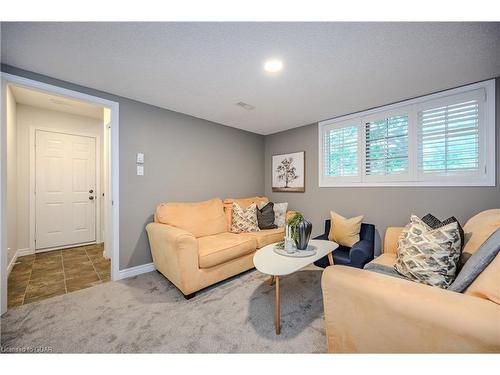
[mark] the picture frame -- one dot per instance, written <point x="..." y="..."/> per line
<point x="288" y="172"/>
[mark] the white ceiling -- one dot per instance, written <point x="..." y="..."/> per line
<point x="203" y="69"/>
<point x="58" y="103"/>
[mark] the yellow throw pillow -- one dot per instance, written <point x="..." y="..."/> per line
<point x="344" y="231"/>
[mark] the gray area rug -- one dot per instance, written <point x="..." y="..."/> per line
<point x="148" y="314"/>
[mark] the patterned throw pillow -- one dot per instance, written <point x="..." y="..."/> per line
<point x="435" y="223"/>
<point x="244" y="220"/>
<point x="280" y="214"/>
<point x="428" y="256"/>
<point x="265" y="216"/>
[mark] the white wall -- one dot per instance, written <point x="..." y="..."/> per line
<point x="106" y="208"/>
<point x="27" y="117"/>
<point x="11" y="176"/>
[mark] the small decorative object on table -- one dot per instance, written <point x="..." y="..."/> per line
<point x="289" y="243"/>
<point x="297" y="234"/>
<point x="303" y="230"/>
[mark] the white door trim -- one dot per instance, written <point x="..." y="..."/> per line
<point x="114" y="179"/>
<point x="32" y="140"/>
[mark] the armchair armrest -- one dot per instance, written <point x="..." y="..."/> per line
<point x="322" y="237"/>
<point x="361" y="253"/>
<point x="175" y="254"/>
<point x="369" y="312"/>
<point x="391" y="239"/>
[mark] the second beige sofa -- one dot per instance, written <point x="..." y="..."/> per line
<point x="192" y="245"/>
<point x="368" y="312"/>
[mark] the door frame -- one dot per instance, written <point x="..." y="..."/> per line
<point x="98" y="170"/>
<point x="112" y="221"/>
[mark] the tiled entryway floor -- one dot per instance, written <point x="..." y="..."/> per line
<point x="44" y="275"/>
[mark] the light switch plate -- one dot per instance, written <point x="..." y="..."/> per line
<point x="140" y="158"/>
<point x="140" y="170"/>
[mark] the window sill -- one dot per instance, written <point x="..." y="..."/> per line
<point x="410" y="184"/>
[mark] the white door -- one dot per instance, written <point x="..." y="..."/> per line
<point x="65" y="184"/>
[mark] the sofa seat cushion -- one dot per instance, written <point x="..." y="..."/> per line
<point x="223" y="247"/>
<point x="267" y="236"/>
<point x="198" y="218"/>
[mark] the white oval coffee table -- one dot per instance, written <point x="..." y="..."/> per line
<point x="275" y="265"/>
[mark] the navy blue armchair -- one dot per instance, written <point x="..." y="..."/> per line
<point x="356" y="256"/>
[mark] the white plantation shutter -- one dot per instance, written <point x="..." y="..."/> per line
<point x="448" y="136"/>
<point x="441" y="139"/>
<point x="341" y="151"/>
<point x="386" y="146"/>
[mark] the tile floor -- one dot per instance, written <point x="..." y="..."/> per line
<point x="44" y="275"/>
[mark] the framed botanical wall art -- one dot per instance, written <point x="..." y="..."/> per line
<point x="289" y="172"/>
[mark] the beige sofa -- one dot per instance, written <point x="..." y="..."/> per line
<point x="192" y="245"/>
<point x="368" y="312"/>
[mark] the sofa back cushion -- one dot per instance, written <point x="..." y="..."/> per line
<point x="487" y="284"/>
<point x="199" y="218"/>
<point x="243" y="203"/>
<point x="479" y="228"/>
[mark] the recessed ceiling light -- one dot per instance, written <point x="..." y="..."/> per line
<point x="273" y="65"/>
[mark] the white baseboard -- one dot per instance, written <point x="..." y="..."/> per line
<point x="11" y="264"/>
<point x="17" y="254"/>
<point x="134" y="271"/>
<point x="22" y="252"/>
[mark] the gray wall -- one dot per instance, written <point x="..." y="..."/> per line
<point x="192" y="159"/>
<point x="384" y="206"/>
<point x="186" y="159"/>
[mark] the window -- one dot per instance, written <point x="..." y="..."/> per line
<point x="443" y="139"/>
<point x="341" y="151"/>
<point x="386" y="145"/>
<point x="448" y="137"/>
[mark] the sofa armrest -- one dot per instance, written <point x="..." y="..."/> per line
<point x="175" y="254"/>
<point x="391" y="239"/>
<point x="361" y="253"/>
<point x="369" y="312"/>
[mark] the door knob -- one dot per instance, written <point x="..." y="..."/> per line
<point x="91" y="191"/>
<point x="91" y="198"/>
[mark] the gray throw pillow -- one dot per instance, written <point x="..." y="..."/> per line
<point x="385" y="270"/>
<point x="265" y="216"/>
<point x="477" y="263"/>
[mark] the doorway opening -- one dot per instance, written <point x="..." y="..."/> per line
<point x="61" y="190"/>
